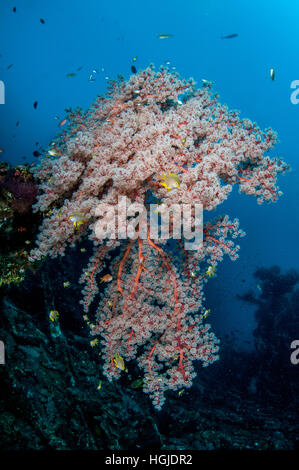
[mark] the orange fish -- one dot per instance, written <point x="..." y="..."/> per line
<point x="22" y="229"/>
<point x="62" y="123"/>
<point x="106" y="278"/>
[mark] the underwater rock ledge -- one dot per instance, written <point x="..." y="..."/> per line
<point x="49" y="397"/>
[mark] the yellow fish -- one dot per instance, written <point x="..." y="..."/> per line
<point x="53" y="153"/>
<point x="77" y="218"/>
<point x="158" y="209"/>
<point x="211" y="271"/>
<point x="206" y="313"/>
<point x="119" y="362"/>
<point x="171" y="181"/>
<point x="54" y="315"/>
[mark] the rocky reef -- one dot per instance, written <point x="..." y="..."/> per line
<point x="53" y="394"/>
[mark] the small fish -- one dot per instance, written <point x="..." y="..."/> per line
<point x="10" y="66"/>
<point x="17" y="123"/>
<point x="135" y="58"/>
<point x="206" y="313"/>
<point x="159" y="208"/>
<point x="230" y="36"/>
<point x="36" y="153"/>
<point x="133" y="69"/>
<point x="99" y="386"/>
<point x="79" y="68"/>
<point x="35" y="104"/>
<point x="1" y="150"/>
<point x="180" y="392"/>
<point x="94" y="342"/>
<point x="53" y="315"/>
<point x="66" y="284"/>
<point x="53" y="153"/>
<point x="164" y="36"/>
<point x="77" y="219"/>
<point x="272" y="74"/>
<point x="91" y="78"/>
<point x="119" y="362"/>
<point x="171" y="181"/>
<point x="259" y="287"/>
<point x="83" y="250"/>
<point x="137" y="383"/>
<point x="206" y="83"/>
<point x="106" y="278"/>
<point x="42" y="21"/>
<point x="211" y="271"/>
<point x="59" y="213"/>
<point x="62" y="123"/>
<point x="14" y="9"/>
<point x="70" y="75"/>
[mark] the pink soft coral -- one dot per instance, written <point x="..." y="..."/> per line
<point x="151" y="125"/>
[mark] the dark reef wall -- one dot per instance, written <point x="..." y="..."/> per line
<point x="53" y="394"/>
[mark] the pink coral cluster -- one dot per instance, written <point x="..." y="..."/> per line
<point x="144" y="128"/>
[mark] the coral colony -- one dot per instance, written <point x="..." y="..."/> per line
<point x="152" y="139"/>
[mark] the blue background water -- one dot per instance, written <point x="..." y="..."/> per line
<point x="99" y="35"/>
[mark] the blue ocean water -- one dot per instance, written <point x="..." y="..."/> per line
<point x="105" y="37"/>
<point x="62" y="53"/>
